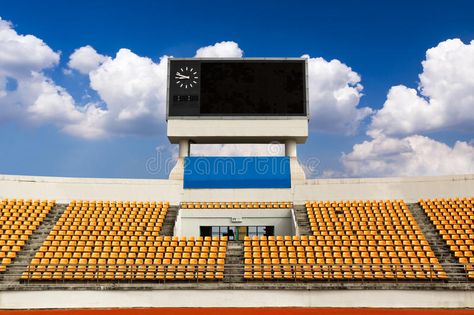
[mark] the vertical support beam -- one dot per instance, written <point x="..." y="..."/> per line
<point x="297" y="172"/>
<point x="183" y="151"/>
<point x="290" y="148"/>
<point x="184" y="148"/>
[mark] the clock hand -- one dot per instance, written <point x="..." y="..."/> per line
<point x="182" y="77"/>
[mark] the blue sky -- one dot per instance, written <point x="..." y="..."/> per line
<point x="382" y="42"/>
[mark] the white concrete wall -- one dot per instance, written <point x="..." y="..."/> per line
<point x="189" y="220"/>
<point x="409" y="189"/>
<point x="238" y="195"/>
<point x="235" y="298"/>
<point x="65" y="189"/>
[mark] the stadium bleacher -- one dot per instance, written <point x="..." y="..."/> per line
<point x="353" y="240"/>
<point x="349" y="240"/>
<point x="121" y="240"/>
<point x="18" y="220"/>
<point x="453" y="219"/>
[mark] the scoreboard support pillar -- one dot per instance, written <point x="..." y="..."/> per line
<point x="290" y="148"/>
<point x="297" y="172"/>
<point x="177" y="173"/>
<point x="184" y="148"/>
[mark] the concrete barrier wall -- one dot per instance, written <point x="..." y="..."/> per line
<point x="64" y="189"/>
<point x="236" y="298"/>
<point x="409" y="189"/>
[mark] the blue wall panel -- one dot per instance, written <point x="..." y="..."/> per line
<point x="237" y="172"/>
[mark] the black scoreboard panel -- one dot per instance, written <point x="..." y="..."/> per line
<point x="242" y="87"/>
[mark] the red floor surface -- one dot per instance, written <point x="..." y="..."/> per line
<point x="239" y="311"/>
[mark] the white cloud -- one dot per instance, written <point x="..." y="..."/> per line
<point x="334" y="95"/>
<point x="86" y="59"/>
<point x="22" y="54"/>
<point x="35" y="99"/>
<point x="444" y="100"/>
<point x="409" y="156"/>
<point x="90" y="126"/>
<point x="133" y="89"/>
<point x="53" y="104"/>
<point x="227" y="49"/>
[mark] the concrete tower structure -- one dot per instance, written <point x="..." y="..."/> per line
<point x="275" y="109"/>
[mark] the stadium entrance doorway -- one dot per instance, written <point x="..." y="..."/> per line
<point x="237" y="232"/>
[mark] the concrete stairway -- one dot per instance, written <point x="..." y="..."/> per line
<point x="438" y="245"/>
<point x="234" y="261"/>
<point x="302" y="220"/>
<point x="13" y="272"/>
<point x="170" y="220"/>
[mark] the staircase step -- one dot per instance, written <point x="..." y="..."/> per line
<point x="168" y="225"/>
<point x="302" y="221"/>
<point x="453" y="269"/>
<point x="234" y="262"/>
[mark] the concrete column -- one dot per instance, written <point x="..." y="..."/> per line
<point x="183" y="148"/>
<point x="290" y="148"/>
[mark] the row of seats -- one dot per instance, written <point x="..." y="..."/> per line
<point x="18" y="219"/>
<point x="121" y="240"/>
<point x="453" y="219"/>
<point x="120" y="204"/>
<point x="236" y="205"/>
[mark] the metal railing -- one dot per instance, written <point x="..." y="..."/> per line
<point x="295" y="222"/>
<point x="246" y="272"/>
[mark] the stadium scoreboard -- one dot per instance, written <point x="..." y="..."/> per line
<point x="236" y="87"/>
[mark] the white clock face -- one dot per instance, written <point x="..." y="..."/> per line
<point x="186" y="77"/>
